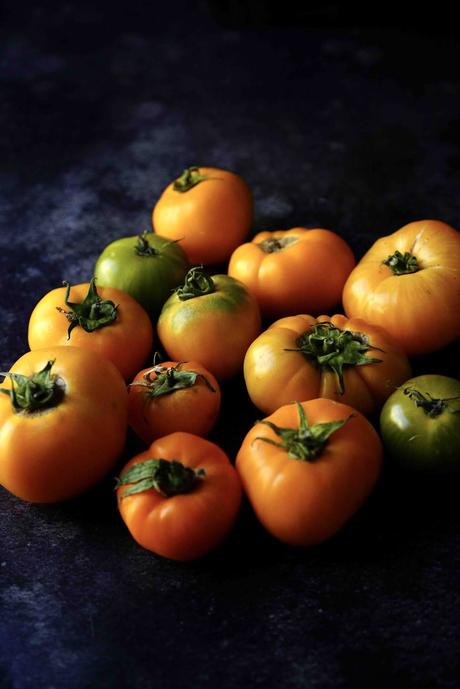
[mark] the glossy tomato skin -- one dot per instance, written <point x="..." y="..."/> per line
<point x="215" y="329"/>
<point x="303" y="503"/>
<point x="276" y="374"/>
<point x="419" y="309"/>
<point x="58" y="453"/>
<point x="416" y="441"/>
<point x="191" y="409"/>
<point x="186" y="526"/>
<point x="147" y="277"/>
<point x="127" y="342"/>
<point x="210" y="219"/>
<point x="286" y="270"/>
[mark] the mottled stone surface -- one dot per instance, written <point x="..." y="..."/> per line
<point x="355" y="129"/>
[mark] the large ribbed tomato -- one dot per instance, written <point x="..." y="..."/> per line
<point x="294" y="271"/>
<point x="301" y="358"/>
<point x="409" y="284"/>
<point x="63" y="419"/>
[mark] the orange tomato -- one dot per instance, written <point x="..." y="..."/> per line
<point x="212" y="320"/>
<point x="294" y="271"/>
<point x="106" y="320"/>
<point x="409" y="284"/>
<point x="173" y="396"/>
<point x="307" y="468"/>
<point x="209" y="210"/>
<point x="180" y="497"/>
<point x="301" y="358"/>
<point x="62" y="423"/>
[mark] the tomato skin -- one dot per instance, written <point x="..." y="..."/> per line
<point x="193" y="409"/>
<point x="303" y="503"/>
<point x="149" y="279"/>
<point x="291" y="279"/>
<point x="420" y="309"/>
<point x="415" y="441"/>
<point x="56" y="454"/>
<point x="187" y="526"/>
<point x="215" y="329"/>
<point x="127" y="342"/>
<point x="275" y="376"/>
<point x="211" y="219"/>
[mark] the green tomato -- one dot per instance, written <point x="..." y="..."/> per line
<point x="148" y="267"/>
<point x="420" y="425"/>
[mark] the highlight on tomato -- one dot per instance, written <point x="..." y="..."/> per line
<point x="106" y="320"/>
<point x="409" y="284"/>
<point x="420" y="425"/>
<point x="63" y="421"/>
<point x="302" y="358"/>
<point x="294" y="271"/>
<point x="208" y="209"/>
<point x="308" y="468"/>
<point x="173" y="396"/>
<point x="179" y="498"/>
<point x="210" y="319"/>
<point x="146" y="266"/>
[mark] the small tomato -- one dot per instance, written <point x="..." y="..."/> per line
<point x="180" y="497"/>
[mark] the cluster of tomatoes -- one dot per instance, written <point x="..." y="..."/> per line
<point x="310" y="464"/>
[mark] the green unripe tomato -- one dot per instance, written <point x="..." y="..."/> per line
<point x="147" y="266"/>
<point x="420" y="425"/>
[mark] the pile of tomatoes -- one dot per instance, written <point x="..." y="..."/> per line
<point x="307" y="467"/>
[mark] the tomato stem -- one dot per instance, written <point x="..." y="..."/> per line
<point x="190" y="177"/>
<point x="42" y="390"/>
<point x="92" y="313"/>
<point x="306" y="442"/>
<point x="168" y="477"/>
<point x="168" y="379"/>
<point x="402" y="264"/>
<point x="143" y="247"/>
<point x="432" y="406"/>
<point x="196" y="284"/>
<point x="333" y="348"/>
<point x="273" y="244"/>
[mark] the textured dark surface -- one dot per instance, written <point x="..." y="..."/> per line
<point x="351" y="128"/>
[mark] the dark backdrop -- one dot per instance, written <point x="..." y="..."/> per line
<point x="337" y="115"/>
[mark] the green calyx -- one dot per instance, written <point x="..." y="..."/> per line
<point x="92" y="313"/>
<point x="306" y="442"/>
<point x="143" y="247"/>
<point x="167" y="477"/>
<point x="190" y="177"/>
<point x="196" y="284"/>
<point x="402" y="264"/>
<point x="40" y="391"/>
<point x="333" y="348"/>
<point x="432" y="406"/>
<point x="163" y="380"/>
<point x="273" y="245"/>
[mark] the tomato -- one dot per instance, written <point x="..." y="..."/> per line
<point x="148" y="267"/>
<point x="409" y="283"/>
<point x="173" y="396"/>
<point x="294" y="271"/>
<point x="420" y="425"/>
<point x="106" y="320"/>
<point x="180" y="497"/>
<point x="209" y="210"/>
<point x="308" y="467"/>
<point x="301" y="358"/>
<point x="212" y="320"/>
<point x="63" y="423"/>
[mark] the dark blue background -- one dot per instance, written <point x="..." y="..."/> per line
<point x="336" y="117"/>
